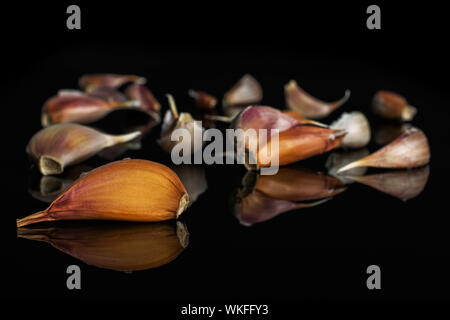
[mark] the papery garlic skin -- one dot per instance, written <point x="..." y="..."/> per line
<point x="357" y="127"/>
<point x="126" y="190"/>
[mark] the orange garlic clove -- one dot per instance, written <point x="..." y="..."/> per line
<point x="90" y="82"/>
<point x="79" y="108"/>
<point x="148" y="102"/>
<point x="122" y="247"/>
<point x="402" y="184"/>
<point x="203" y="100"/>
<point x="299" y="100"/>
<point x="298" y="143"/>
<point x="126" y="190"/>
<point x="245" y="92"/>
<point x="61" y="145"/>
<point x="392" y="106"/>
<point x="409" y="150"/>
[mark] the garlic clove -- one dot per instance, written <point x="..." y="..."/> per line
<point x="109" y="95"/>
<point x="357" y="127"/>
<point x="79" y="108"/>
<point x="393" y="106"/>
<point x="121" y="247"/>
<point x="298" y="143"/>
<point x="299" y="100"/>
<point x="245" y="92"/>
<point x="402" y="184"/>
<point x="126" y="190"/>
<point x="409" y="150"/>
<point x="58" y="146"/>
<point x="203" y="100"/>
<point x="90" y="82"/>
<point x="148" y="102"/>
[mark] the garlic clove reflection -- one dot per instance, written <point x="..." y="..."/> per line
<point x="402" y="184"/>
<point x="337" y="160"/>
<point x="114" y="246"/>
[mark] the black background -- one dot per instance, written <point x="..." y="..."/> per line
<point x="319" y="253"/>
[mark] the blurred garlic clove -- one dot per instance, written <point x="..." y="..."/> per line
<point x="58" y="146"/>
<point x="90" y="82"/>
<point x="109" y="95"/>
<point x="392" y="106"/>
<point x="337" y="160"/>
<point x="203" y="100"/>
<point x="121" y="247"/>
<point x="245" y="92"/>
<point x="387" y="132"/>
<point x="357" y="127"/>
<point x="299" y="184"/>
<point x="402" y="184"/>
<point x="263" y="117"/>
<point x="79" y="108"/>
<point x="173" y="121"/>
<point x="410" y="150"/>
<point x="299" y="100"/>
<point x="148" y="102"/>
<point x="257" y="207"/>
<point x="298" y="143"/>
<point x="50" y="187"/>
<point x="193" y="178"/>
<point x="125" y="190"/>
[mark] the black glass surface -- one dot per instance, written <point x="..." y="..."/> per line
<point x="317" y="252"/>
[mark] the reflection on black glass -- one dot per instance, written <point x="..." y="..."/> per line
<point x="48" y="188"/>
<point x="116" y="246"/>
<point x="262" y="198"/>
<point x="402" y="184"/>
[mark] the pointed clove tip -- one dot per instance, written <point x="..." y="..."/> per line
<point x="348" y="167"/>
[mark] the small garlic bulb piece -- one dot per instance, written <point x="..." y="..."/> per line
<point x="357" y="127"/>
